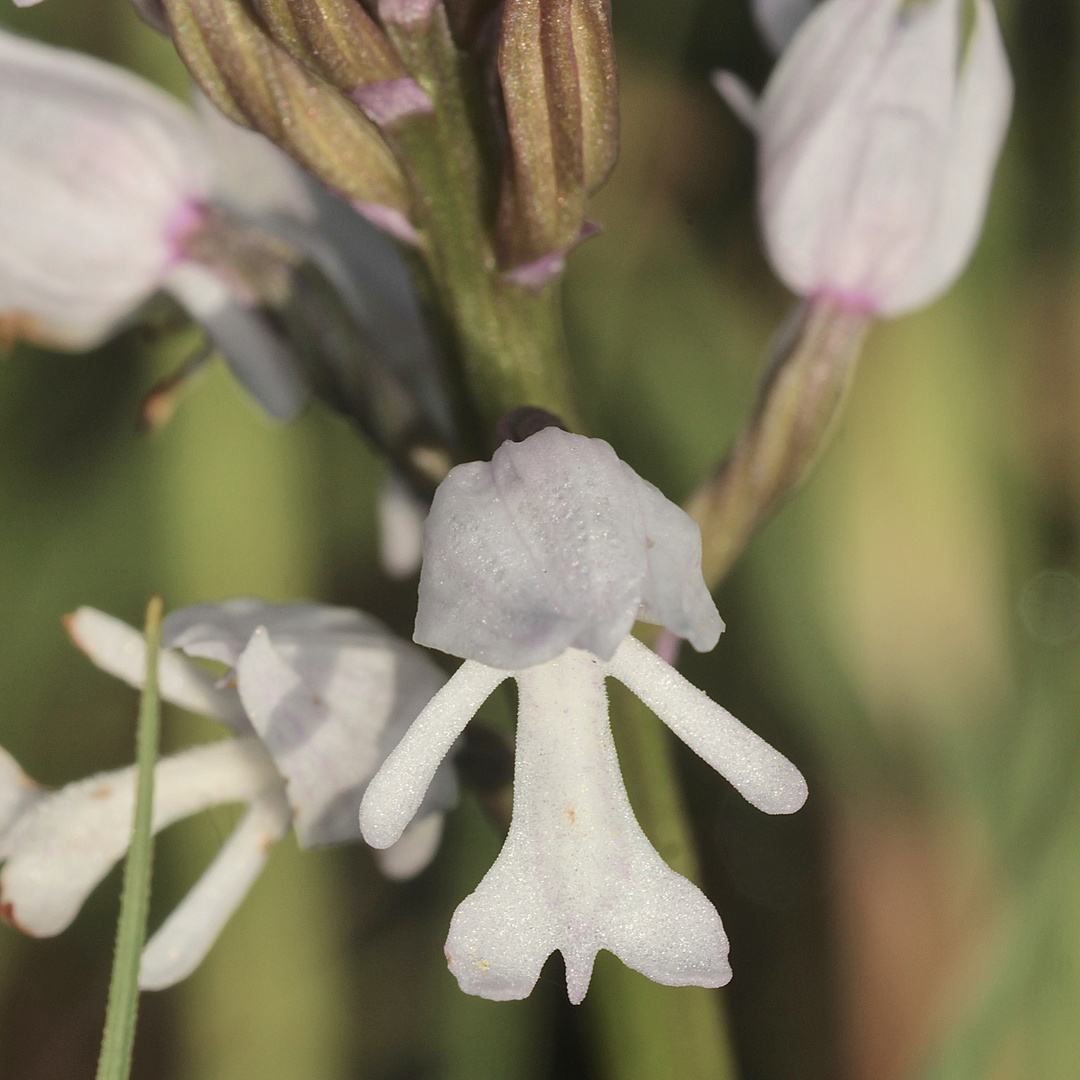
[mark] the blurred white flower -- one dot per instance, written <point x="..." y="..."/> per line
<point x="777" y="20"/>
<point x="535" y="567"/>
<point x="401" y="516"/>
<point x="316" y="696"/>
<point x="104" y="179"/>
<point x="879" y="132"/>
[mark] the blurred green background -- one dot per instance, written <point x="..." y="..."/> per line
<point x="906" y="630"/>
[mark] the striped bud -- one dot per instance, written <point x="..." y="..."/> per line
<point x="254" y="81"/>
<point x="557" y="66"/>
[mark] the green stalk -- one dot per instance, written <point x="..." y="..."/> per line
<point x="510" y="337"/>
<point x="800" y="401"/>
<point x="118" y="1040"/>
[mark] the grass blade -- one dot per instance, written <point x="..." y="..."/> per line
<point x="119" y="1037"/>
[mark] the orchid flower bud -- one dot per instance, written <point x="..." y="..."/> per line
<point x="879" y="132"/>
<point x="337" y="39"/>
<point x="557" y="66"/>
<point x="316" y="698"/>
<point x="535" y="567"/>
<point x="255" y="81"/>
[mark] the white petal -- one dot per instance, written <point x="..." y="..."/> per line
<point x="981" y="120"/>
<point x="675" y="594"/>
<point x="251" y="175"/>
<point x="761" y="774"/>
<point x="17" y="791"/>
<point x="548" y="546"/>
<point x="779" y="19"/>
<point x="185" y="937"/>
<point x="740" y="99"/>
<point x="401" y="528"/>
<point x="259" y="357"/>
<point x="812" y="126"/>
<point x="329" y="709"/>
<point x="98" y="172"/>
<point x="120" y="650"/>
<point x="65" y="843"/>
<point x="397" y="789"/>
<point x="414" y="850"/>
<point x="221" y="631"/>
<point x="576" y="872"/>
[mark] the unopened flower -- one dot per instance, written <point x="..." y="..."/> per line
<point x="105" y="181"/>
<point x="536" y="566"/>
<point x="879" y="132"/>
<point x="316" y="698"/>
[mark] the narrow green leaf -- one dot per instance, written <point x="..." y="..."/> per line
<point x="119" y="1037"/>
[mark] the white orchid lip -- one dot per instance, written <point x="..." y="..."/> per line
<point x="879" y="133"/>
<point x="576" y="873"/>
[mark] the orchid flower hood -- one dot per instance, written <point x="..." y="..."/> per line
<point x="878" y="136"/>
<point x="535" y="567"/>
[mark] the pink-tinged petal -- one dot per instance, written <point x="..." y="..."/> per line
<point x="95" y="165"/>
<point x="185" y="937"/>
<point x="979" y="125"/>
<point x="329" y="709"/>
<point x="397" y="790"/>
<point x="762" y="775"/>
<point x="875" y="157"/>
<point x="120" y="650"/>
<point x="62" y="845"/>
<point x="576" y="873"/>
<point x="414" y="851"/>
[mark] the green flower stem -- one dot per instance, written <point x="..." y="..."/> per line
<point x="119" y="1037"/>
<point x="646" y="1031"/>
<point x="801" y="398"/>
<point x="511" y="338"/>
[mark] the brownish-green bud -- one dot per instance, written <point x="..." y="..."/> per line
<point x="799" y="403"/>
<point x="254" y="81"/>
<point x="557" y="66"/>
<point x="337" y="39"/>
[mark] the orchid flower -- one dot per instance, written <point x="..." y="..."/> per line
<point x="536" y="566"/>
<point x="105" y="181"/>
<point x="316" y="698"/>
<point x="878" y="135"/>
